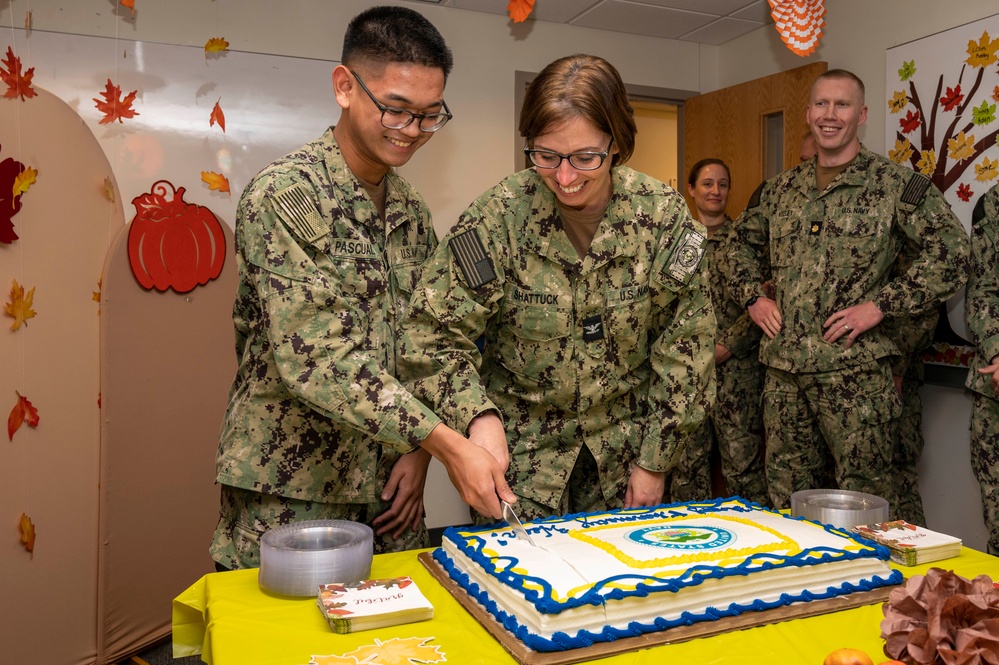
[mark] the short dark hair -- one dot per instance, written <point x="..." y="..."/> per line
<point x="695" y="170"/>
<point x="384" y="35"/>
<point x="842" y="74"/>
<point x="580" y="86"/>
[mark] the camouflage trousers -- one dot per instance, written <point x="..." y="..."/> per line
<point x="582" y="495"/>
<point x="246" y="515"/>
<point x="830" y="427"/>
<point x="735" y="426"/>
<point x="985" y="461"/>
<point x="908" y="441"/>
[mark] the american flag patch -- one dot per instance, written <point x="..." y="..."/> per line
<point x="300" y="213"/>
<point x="471" y="256"/>
<point x="915" y="189"/>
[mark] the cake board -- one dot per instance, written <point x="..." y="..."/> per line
<point x="526" y="656"/>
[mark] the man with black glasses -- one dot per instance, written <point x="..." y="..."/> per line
<point x="329" y="245"/>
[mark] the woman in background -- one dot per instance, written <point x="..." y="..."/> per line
<point x="584" y="277"/>
<point x="735" y="422"/>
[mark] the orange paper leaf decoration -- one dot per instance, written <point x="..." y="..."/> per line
<point x="114" y="108"/>
<point x="130" y="4"/>
<point x="217" y="116"/>
<point x="519" y="10"/>
<point x="27" y="533"/>
<point x="18" y="84"/>
<point x="23" y="181"/>
<point x="19" y="305"/>
<point x="216" y="45"/>
<point x="23" y="412"/>
<point x="215" y="181"/>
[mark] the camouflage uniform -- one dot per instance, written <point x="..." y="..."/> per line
<point x="827" y="251"/>
<point x="982" y="312"/>
<point x="315" y="414"/>
<point x="735" y="422"/>
<point x="912" y="334"/>
<point x="613" y="351"/>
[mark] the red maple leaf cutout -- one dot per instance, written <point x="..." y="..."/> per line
<point x="114" y="108"/>
<point x="22" y="413"/>
<point x="18" y="84"/>
<point x="964" y="192"/>
<point x="910" y="122"/>
<point x="10" y="204"/>
<point x="217" y="116"/>
<point x="519" y="10"/>
<point x="995" y="94"/>
<point x="952" y="98"/>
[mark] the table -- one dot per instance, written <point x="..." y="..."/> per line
<point x="229" y="620"/>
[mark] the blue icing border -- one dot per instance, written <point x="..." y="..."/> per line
<point x="694" y="575"/>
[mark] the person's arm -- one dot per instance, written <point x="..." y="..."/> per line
<point x="982" y="296"/>
<point x="750" y="257"/>
<point x="682" y="386"/>
<point x="940" y="268"/>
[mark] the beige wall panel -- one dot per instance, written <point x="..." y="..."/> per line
<point x="167" y="363"/>
<point x="51" y="472"/>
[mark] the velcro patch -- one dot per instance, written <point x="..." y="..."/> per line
<point x="915" y="189"/>
<point x="754" y="199"/>
<point x="815" y="228"/>
<point x="300" y="213"/>
<point x="593" y="329"/>
<point x="687" y="256"/>
<point x="471" y="256"/>
<point x="979" y="213"/>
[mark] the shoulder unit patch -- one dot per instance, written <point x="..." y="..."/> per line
<point x="300" y="213"/>
<point x="686" y="256"/>
<point x="471" y="256"/>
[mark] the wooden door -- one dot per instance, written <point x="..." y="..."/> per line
<point x="729" y="124"/>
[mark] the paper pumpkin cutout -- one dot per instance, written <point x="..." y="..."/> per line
<point x="799" y="23"/>
<point x="173" y="244"/>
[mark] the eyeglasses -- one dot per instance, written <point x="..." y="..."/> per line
<point x="396" y="118"/>
<point x="582" y="161"/>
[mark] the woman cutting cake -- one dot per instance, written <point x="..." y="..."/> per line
<point x="584" y="280"/>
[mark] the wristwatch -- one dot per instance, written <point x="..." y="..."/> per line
<point x="749" y="303"/>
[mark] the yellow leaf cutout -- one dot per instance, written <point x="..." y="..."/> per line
<point x="332" y="660"/>
<point x="961" y="147"/>
<point x="927" y="162"/>
<point x="986" y="170"/>
<point x="898" y="101"/>
<point x="109" y="189"/>
<point x="216" y="45"/>
<point x="19" y="305"/>
<point x="28" y="534"/>
<point x="398" y="651"/>
<point x="215" y="181"/>
<point x="519" y="10"/>
<point x="902" y="151"/>
<point x="23" y="181"/>
<point x="983" y="52"/>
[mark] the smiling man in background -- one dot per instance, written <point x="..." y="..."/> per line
<point x="831" y="229"/>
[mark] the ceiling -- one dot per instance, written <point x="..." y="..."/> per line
<point x="702" y="21"/>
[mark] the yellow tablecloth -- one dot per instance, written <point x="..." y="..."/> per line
<point x="229" y="620"/>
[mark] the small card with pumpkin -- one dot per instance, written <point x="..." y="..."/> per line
<point x="368" y="604"/>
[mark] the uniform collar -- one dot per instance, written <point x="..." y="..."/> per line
<point x="615" y="235"/>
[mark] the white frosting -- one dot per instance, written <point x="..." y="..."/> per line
<point x="659" y="549"/>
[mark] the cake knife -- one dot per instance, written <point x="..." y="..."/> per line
<point x="518" y="529"/>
